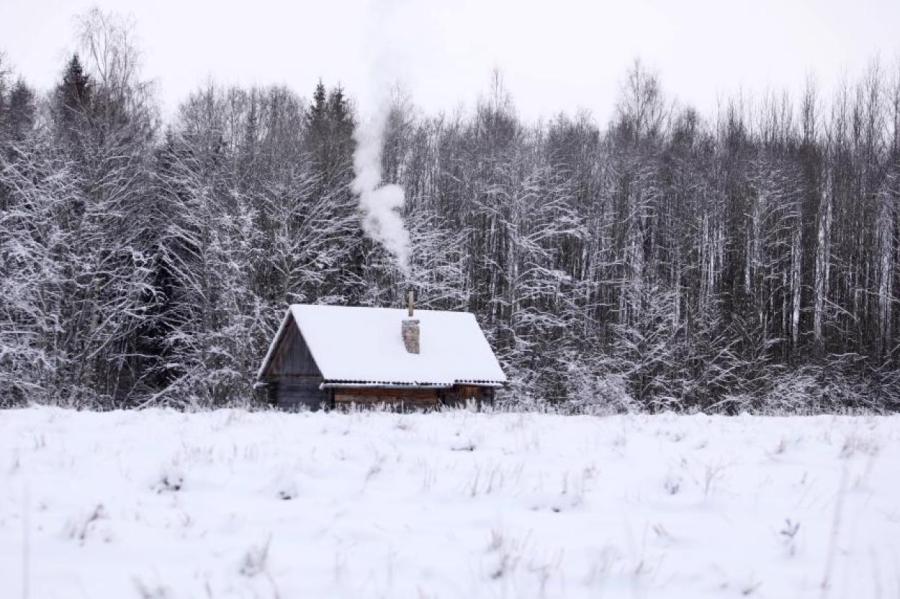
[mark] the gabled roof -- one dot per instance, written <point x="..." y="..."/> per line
<point x="363" y="346"/>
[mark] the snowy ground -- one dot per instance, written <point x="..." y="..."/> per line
<point x="235" y="504"/>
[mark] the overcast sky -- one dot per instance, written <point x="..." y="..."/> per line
<point x="555" y="55"/>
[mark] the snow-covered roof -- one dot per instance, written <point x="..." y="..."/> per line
<point x="359" y="346"/>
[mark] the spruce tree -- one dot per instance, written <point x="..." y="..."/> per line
<point x="74" y="91"/>
<point x="19" y="117"/>
<point x="71" y="103"/>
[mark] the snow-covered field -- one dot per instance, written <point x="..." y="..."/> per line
<point x="237" y="504"/>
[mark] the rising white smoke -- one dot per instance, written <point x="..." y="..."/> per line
<point x="380" y="204"/>
<point x="386" y="55"/>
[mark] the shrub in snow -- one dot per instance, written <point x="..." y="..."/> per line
<point x="672" y="484"/>
<point x="170" y="480"/>
<point x="815" y="389"/>
<point x="733" y="403"/>
<point x="602" y="395"/>
<point x="82" y="527"/>
<point x="283" y="485"/>
<point x="855" y="443"/>
<point x="151" y="592"/>
<point x="287" y="491"/>
<point x="504" y="554"/>
<point x="795" y="392"/>
<point x="712" y="474"/>
<point x="375" y="467"/>
<point x="781" y="447"/>
<point x="788" y="534"/>
<point x="256" y="559"/>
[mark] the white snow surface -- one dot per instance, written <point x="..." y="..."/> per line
<point x="456" y="504"/>
<point x="359" y="344"/>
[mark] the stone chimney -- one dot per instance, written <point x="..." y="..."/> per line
<point x="410" y="327"/>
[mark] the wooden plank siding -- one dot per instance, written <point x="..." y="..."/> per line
<point x="292" y="377"/>
<point x="292" y="393"/>
<point x="292" y="356"/>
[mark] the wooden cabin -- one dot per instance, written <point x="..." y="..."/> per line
<point x="333" y="356"/>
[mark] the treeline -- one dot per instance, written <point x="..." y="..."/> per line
<point x="748" y="260"/>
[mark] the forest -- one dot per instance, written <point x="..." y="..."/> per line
<point x="744" y="260"/>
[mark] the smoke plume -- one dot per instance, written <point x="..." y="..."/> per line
<point x="380" y="204"/>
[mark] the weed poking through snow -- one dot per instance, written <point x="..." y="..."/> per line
<point x="788" y="536"/>
<point x="672" y="484"/>
<point x="81" y="528"/>
<point x="256" y="559"/>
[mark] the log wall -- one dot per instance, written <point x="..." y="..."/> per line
<point x="414" y="399"/>
<point x="401" y="398"/>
